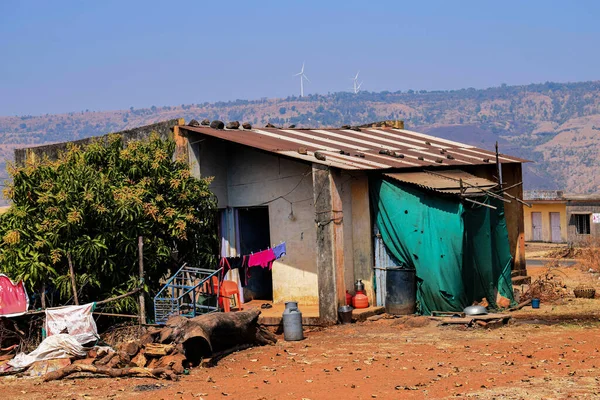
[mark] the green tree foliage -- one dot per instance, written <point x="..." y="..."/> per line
<point x="93" y="203"/>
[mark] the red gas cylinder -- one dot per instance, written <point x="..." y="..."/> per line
<point x="348" y="298"/>
<point x="360" y="300"/>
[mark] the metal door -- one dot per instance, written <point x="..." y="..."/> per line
<point x="383" y="261"/>
<point x="536" y="226"/>
<point x="555" y="227"/>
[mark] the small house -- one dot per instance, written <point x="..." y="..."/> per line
<point x="353" y="203"/>
<point x="559" y="217"/>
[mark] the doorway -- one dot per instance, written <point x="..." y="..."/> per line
<point x="536" y="226"/>
<point x="254" y="231"/>
<point x="555" y="227"/>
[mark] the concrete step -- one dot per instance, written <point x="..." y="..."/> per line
<point x="518" y="272"/>
<point x="521" y="280"/>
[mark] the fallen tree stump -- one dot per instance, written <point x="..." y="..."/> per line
<point x="181" y="343"/>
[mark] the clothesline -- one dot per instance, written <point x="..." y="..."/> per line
<point x="262" y="259"/>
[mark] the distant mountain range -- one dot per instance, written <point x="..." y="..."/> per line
<point x="556" y="125"/>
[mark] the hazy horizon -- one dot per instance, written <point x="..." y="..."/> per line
<point x="67" y="56"/>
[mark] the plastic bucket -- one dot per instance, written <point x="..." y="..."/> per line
<point x="535" y="303"/>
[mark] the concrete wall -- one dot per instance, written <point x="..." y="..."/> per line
<point x="574" y="207"/>
<point x="244" y="177"/>
<point x="52" y="151"/>
<point x="545" y="209"/>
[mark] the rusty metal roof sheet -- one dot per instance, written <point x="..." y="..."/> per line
<point x="369" y="148"/>
<point x="445" y="181"/>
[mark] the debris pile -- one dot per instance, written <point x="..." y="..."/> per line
<point x="548" y="287"/>
<point x="166" y="352"/>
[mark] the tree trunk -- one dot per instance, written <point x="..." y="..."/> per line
<point x="43" y="296"/>
<point x="207" y="334"/>
<point x="141" y="267"/>
<point x="73" y="281"/>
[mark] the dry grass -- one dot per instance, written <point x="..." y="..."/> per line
<point x="590" y="255"/>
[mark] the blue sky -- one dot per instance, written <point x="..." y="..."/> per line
<point x="60" y="56"/>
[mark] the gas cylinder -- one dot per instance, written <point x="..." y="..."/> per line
<point x="348" y="298"/>
<point x="360" y="300"/>
<point x="292" y="322"/>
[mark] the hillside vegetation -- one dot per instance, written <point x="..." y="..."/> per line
<point x="556" y="125"/>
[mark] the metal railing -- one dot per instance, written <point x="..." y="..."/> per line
<point x="189" y="292"/>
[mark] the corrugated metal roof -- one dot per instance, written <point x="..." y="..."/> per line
<point x="445" y="181"/>
<point x="369" y="148"/>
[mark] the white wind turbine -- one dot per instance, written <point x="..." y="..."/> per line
<point x="356" y="86"/>
<point x="302" y="78"/>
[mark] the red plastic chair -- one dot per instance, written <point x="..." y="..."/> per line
<point x="229" y="291"/>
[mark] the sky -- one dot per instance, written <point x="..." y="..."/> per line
<point x="62" y="56"/>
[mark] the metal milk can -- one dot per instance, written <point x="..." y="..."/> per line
<point x="292" y="322"/>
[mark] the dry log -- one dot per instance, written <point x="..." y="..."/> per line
<point x="158" y="350"/>
<point x="520" y="305"/>
<point x="140" y="360"/>
<point x="206" y="334"/>
<point x="112" y="372"/>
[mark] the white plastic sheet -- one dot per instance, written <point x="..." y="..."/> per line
<point x="55" y="346"/>
<point x="76" y="321"/>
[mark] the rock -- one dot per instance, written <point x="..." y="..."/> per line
<point x="233" y="125"/>
<point x="205" y="122"/>
<point x="345" y="127"/>
<point x="302" y="150"/>
<point x="355" y="128"/>
<point x="194" y="123"/>
<point x="216" y="124"/>
<point x="269" y="125"/>
<point x="291" y="126"/>
<point x="246" y="125"/>
<point x="320" y="156"/>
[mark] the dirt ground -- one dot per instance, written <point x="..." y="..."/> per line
<point x="549" y="353"/>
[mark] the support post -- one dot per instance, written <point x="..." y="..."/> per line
<point x="330" y="257"/>
<point x="141" y="267"/>
<point x="73" y="281"/>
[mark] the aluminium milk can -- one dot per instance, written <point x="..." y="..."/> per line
<point x="292" y="322"/>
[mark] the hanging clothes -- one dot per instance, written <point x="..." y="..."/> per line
<point x="239" y="263"/>
<point x="279" y="250"/>
<point x="263" y="259"/>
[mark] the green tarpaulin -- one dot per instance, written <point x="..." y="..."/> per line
<point x="460" y="252"/>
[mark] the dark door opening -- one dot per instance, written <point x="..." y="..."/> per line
<point x="255" y="236"/>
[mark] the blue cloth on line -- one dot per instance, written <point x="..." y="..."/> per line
<point x="279" y="250"/>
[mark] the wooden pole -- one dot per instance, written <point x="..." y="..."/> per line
<point x="73" y="282"/>
<point x="141" y="265"/>
<point x="43" y="296"/>
<point x="499" y="168"/>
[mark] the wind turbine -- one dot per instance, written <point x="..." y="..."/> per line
<point x="302" y="78"/>
<point x="356" y="87"/>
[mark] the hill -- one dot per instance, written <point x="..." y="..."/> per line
<point x="556" y="125"/>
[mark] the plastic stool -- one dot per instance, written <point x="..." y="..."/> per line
<point x="230" y="290"/>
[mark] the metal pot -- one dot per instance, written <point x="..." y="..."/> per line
<point x="475" y="310"/>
